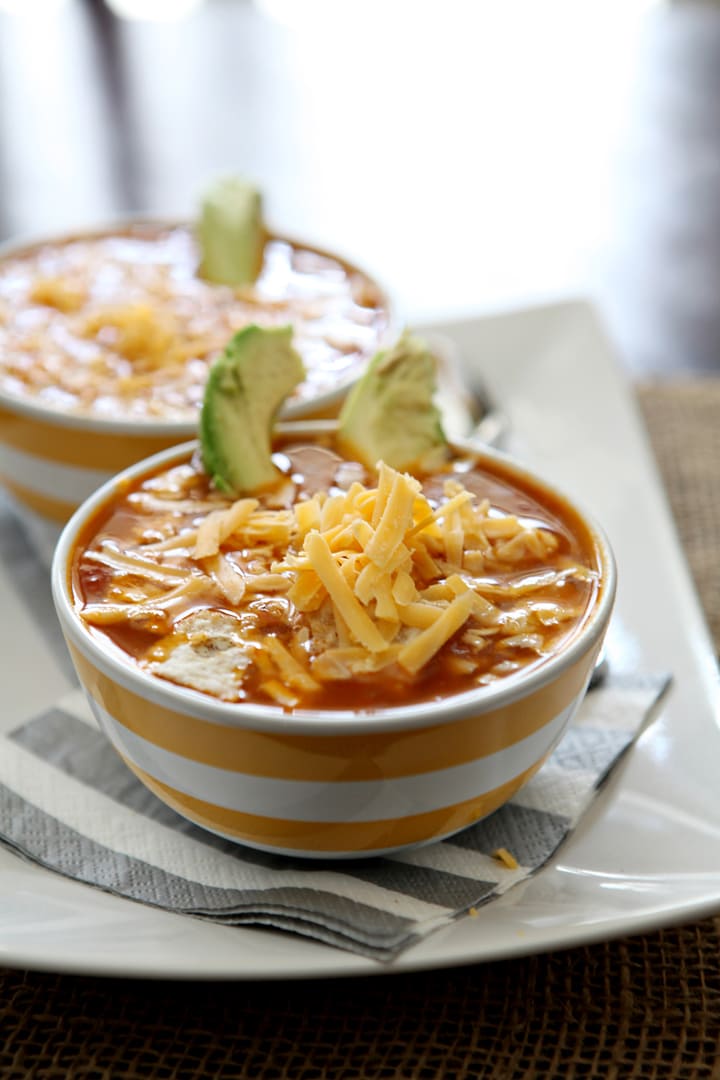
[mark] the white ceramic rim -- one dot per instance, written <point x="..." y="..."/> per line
<point x="179" y="429"/>
<point x="326" y="722"/>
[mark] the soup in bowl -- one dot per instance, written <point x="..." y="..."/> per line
<point x="106" y="338"/>
<point x="349" y="663"/>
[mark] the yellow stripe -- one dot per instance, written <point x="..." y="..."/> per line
<point x="335" y="836"/>
<point x="54" y="509"/>
<point x="332" y="757"/>
<point x="76" y="446"/>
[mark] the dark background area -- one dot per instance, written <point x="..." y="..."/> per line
<point x="475" y="156"/>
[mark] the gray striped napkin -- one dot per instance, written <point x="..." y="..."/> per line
<point x="68" y="803"/>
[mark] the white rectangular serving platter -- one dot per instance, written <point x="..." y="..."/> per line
<point x="646" y="855"/>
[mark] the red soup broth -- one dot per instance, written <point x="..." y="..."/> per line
<point x="341" y="587"/>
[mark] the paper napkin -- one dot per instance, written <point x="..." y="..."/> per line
<point x="68" y="803"/>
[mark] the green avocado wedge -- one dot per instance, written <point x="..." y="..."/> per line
<point x="246" y="387"/>
<point x="231" y="233"/>
<point x="389" y="415"/>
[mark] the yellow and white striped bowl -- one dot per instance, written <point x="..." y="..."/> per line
<point x="331" y="784"/>
<point x="50" y="461"/>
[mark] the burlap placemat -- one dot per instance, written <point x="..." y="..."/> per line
<point x="643" y="1008"/>
<point x="647" y="1007"/>
<point x="683" y="419"/>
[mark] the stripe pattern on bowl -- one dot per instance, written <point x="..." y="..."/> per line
<point x="334" y="795"/>
<point x="52" y="468"/>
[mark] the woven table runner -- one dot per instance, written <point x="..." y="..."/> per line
<point x="644" y="1007"/>
<point x="683" y="419"/>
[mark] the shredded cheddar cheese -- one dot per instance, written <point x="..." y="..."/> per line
<point x="344" y="600"/>
<point x="423" y="647"/>
<point x="506" y="858"/>
<point x="220" y="524"/>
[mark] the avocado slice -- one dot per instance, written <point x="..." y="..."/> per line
<point x="389" y="415"/>
<point x="246" y="386"/>
<point x="231" y="232"/>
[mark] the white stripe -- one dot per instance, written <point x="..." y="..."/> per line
<point x="70" y="483"/>
<point x="611" y="709"/>
<point x="557" y="790"/>
<point x="462" y="863"/>
<point x="121" y="829"/>
<point x="343" y="800"/>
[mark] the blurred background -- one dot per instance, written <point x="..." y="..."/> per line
<point x="474" y="155"/>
